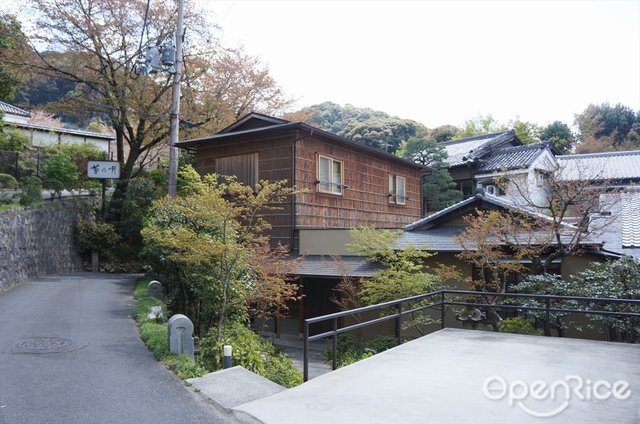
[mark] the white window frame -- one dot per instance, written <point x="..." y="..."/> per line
<point x="339" y="185"/>
<point x="395" y="197"/>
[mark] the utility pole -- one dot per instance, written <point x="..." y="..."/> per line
<point x="175" y="105"/>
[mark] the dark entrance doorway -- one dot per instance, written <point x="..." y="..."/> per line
<point x="318" y="292"/>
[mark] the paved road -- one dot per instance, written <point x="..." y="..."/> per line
<point x="101" y="373"/>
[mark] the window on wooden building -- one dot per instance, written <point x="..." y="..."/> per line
<point x="330" y="178"/>
<point x="397" y="193"/>
<point x="243" y="167"/>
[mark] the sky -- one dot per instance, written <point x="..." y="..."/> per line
<point x="445" y="62"/>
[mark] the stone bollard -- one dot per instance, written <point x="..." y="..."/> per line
<point x="154" y="289"/>
<point x="180" y="329"/>
<point x="95" y="261"/>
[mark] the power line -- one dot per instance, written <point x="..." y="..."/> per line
<point x="144" y="26"/>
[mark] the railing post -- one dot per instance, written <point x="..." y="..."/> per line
<point x="334" y="358"/>
<point x="399" y="323"/>
<point x="547" y="330"/>
<point x="442" y="310"/>
<point x="305" y="365"/>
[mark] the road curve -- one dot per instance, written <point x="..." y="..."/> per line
<point x="70" y="353"/>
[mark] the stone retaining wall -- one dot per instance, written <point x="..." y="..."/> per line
<point x="39" y="240"/>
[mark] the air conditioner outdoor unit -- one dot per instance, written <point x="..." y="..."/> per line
<point x="491" y="189"/>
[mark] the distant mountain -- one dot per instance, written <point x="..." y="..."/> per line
<point x="371" y="127"/>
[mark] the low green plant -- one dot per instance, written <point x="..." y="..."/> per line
<point x="381" y="343"/>
<point x="350" y="357"/>
<point x="31" y="190"/>
<point x="8" y="182"/>
<point x="519" y="325"/>
<point x="249" y="351"/>
<point x="350" y="350"/>
<point x="184" y="366"/>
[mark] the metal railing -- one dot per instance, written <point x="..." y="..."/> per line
<point x="22" y="164"/>
<point x="439" y="301"/>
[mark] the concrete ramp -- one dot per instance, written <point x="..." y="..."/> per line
<point x="234" y="386"/>
<point x="466" y="376"/>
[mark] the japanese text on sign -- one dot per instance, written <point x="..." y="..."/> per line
<point x="103" y="169"/>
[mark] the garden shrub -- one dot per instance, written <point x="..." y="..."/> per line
<point x="60" y="173"/>
<point x="381" y="343"/>
<point x="519" y="325"/>
<point x="31" y="190"/>
<point x="79" y="154"/>
<point x="159" y="178"/>
<point x="8" y="182"/>
<point x="350" y="357"/>
<point x="350" y="350"/>
<point x="249" y="351"/>
<point x="188" y="180"/>
<point x="95" y="236"/>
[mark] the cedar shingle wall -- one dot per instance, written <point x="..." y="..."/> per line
<point x="274" y="163"/>
<point x="364" y="202"/>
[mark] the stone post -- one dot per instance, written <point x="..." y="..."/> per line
<point x="180" y="332"/>
<point x="154" y="289"/>
<point x="95" y="261"/>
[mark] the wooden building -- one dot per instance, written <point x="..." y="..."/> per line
<point x="345" y="184"/>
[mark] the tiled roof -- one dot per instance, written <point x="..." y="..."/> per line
<point x="438" y="239"/>
<point x="81" y="133"/>
<point x="600" y="166"/>
<point x="513" y="157"/>
<point x="326" y="266"/>
<point x="7" y="108"/>
<point x="430" y="218"/>
<point x="467" y="150"/>
<point x="478" y="198"/>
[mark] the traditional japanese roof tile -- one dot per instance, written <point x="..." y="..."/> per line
<point x="510" y="158"/>
<point x="429" y="234"/>
<point x="440" y="239"/>
<point x="80" y="133"/>
<point x="618" y="166"/>
<point x="468" y="150"/>
<point x="7" y="108"/>
<point x="479" y="199"/>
